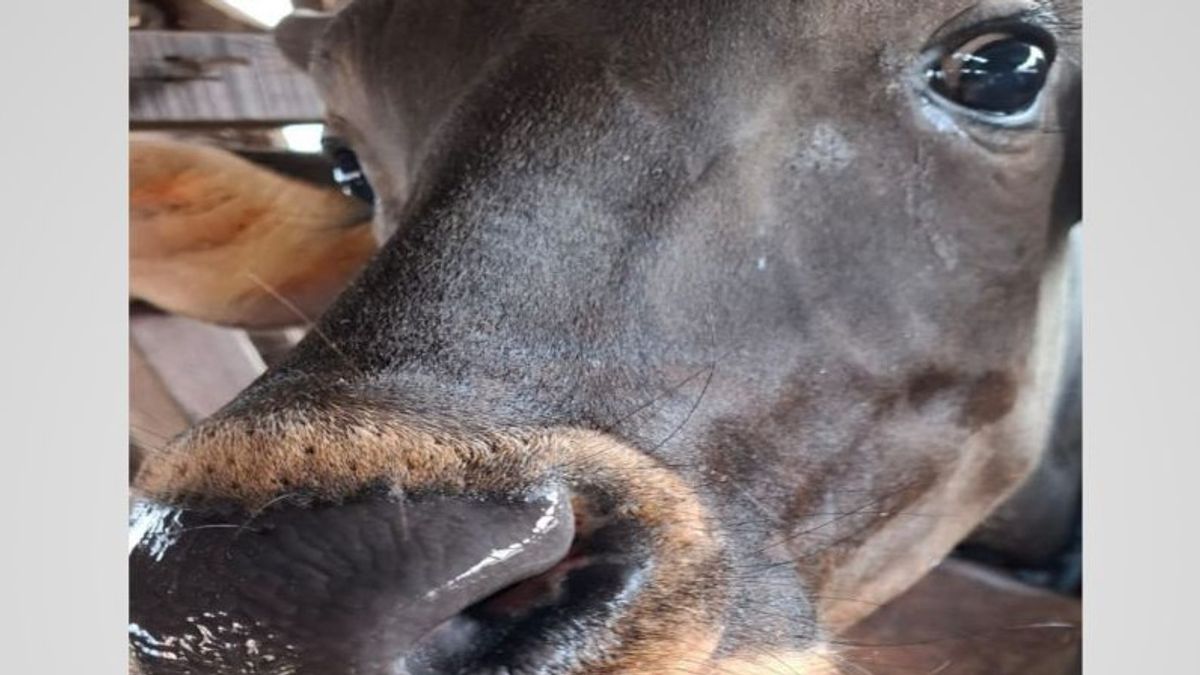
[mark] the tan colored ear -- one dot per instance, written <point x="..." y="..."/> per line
<point x="217" y="238"/>
<point x="297" y="34"/>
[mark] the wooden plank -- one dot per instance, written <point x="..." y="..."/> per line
<point x="154" y="416"/>
<point x="186" y="79"/>
<point x="207" y="15"/>
<point x="320" y="5"/>
<point x="967" y="619"/>
<point x="201" y="366"/>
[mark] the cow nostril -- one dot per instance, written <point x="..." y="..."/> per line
<point x="538" y="623"/>
<point x="351" y="587"/>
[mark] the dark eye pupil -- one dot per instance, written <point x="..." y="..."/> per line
<point x="348" y="174"/>
<point x="1001" y="76"/>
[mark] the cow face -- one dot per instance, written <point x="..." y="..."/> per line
<point x="699" y="330"/>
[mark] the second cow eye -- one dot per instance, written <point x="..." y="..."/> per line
<point x="997" y="73"/>
<point x="347" y="172"/>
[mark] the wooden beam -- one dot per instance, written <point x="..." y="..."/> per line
<point x="320" y="5"/>
<point x="201" y="366"/>
<point x="154" y="415"/>
<point x="967" y="619"/>
<point x="198" y="15"/>
<point x="184" y="79"/>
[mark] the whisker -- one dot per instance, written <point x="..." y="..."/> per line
<point x="308" y="322"/>
<point x="262" y="509"/>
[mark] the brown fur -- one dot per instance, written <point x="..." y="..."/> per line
<point x="215" y="237"/>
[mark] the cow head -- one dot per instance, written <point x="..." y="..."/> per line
<point x="699" y="330"/>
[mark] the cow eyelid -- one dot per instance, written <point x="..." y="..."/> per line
<point x="1043" y="16"/>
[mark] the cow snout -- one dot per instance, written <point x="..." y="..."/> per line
<point x="320" y="542"/>
<point x="356" y="587"/>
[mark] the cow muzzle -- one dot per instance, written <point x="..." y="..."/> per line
<point x="355" y="587"/>
<point x="535" y="553"/>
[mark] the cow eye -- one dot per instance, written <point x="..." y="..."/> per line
<point x="996" y="73"/>
<point x="347" y="172"/>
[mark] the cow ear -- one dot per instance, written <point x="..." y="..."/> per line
<point x="297" y="35"/>
<point x="215" y="237"/>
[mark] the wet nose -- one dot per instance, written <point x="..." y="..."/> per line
<point x="351" y="587"/>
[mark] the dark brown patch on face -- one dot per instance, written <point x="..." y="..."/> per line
<point x="737" y="450"/>
<point x="839" y="512"/>
<point x="928" y="384"/>
<point x="979" y="401"/>
<point x="989" y="399"/>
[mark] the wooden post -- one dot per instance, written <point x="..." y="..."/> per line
<point x="184" y="79"/>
